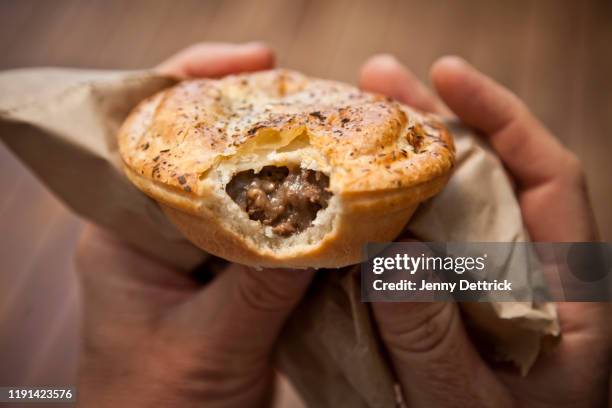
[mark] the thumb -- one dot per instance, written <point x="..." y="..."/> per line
<point x="386" y="75"/>
<point x="243" y="310"/>
<point x="434" y="360"/>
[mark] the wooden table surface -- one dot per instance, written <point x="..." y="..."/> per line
<point x="556" y="55"/>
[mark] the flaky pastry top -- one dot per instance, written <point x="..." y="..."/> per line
<point x="370" y="142"/>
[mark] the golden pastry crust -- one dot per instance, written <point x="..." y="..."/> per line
<point x="182" y="145"/>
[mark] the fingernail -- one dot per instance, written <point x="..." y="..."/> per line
<point x="254" y="45"/>
<point x="454" y="60"/>
<point x="387" y="59"/>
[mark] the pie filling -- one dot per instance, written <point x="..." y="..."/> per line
<point x="287" y="199"/>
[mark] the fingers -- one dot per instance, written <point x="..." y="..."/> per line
<point x="217" y="59"/>
<point x="384" y="74"/>
<point x="243" y="310"/>
<point x="531" y="153"/>
<point x="228" y="330"/>
<point x="553" y="197"/>
<point x="434" y="360"/>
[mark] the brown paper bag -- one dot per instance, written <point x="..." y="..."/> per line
<point x="62" y="124"/>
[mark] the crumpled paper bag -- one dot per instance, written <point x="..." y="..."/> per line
<point x="62" y="124"/>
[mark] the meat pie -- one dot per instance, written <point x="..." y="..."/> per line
<point x="275" y="169"/>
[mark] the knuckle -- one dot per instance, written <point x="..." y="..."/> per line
<point x="210" y="375"/>
<point x="574" y="166"/>
<point x="515" y="145"/>
<point x="571" y="173"/>
<point x="422" y="333"/>
<point x="262" y="294"/>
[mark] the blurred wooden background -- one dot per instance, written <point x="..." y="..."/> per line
<point x="556" y="55"/>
